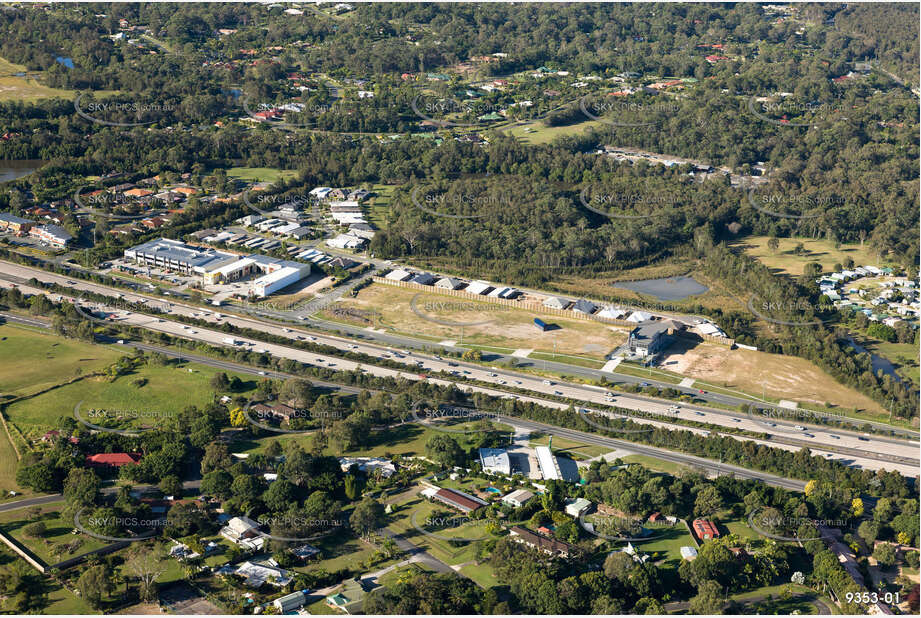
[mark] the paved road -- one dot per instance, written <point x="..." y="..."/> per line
<point x="850" y="444"/>
<point x="848" y="447"/>
<point x="871" y="460"/>
<point x="587" y="438"/>
<point x="27" y="502"/>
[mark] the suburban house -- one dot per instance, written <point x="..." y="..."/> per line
<point x="449" y="283"/>
<point x="517" y="498"/>
<point x="459" y="500"/>
<point x="705" y="529"/>
<point x="423" y="279"/>
<point x="556" y="302"/>
<point x="542" y="543"/>
<point x="495" y="461"/>
<point x="258" y="573"/>
<point x="244" y="532"/>
<point x="650" y="338"/>
<point x="290" y="602"/>
<point x="399" y="275"/>
<point x="576" y="508"/>
<point x="369" y="465"/>
<point x="584" y="306"/>
<point x="478" y="287"/>
<point x="275" y="410"/>
<point x="113" y="460"/>
<point x="305" y="552"/>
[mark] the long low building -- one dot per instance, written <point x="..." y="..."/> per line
<point x="176" y="255"/>
<point x="459" y="500"/>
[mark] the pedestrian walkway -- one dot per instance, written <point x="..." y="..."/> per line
<point x="522" y="353"/>
<point x="612" y="364"/>
<point x="687" y="382"/>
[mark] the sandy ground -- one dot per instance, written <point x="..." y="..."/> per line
<point x="778" y="376"/>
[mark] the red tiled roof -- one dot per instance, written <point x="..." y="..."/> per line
<point x="458" y="500"/>
<point x="113" y="459"/>
<point x="705" y="529"/>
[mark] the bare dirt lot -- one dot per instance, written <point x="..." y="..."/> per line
<point x="782" y="377"/>
<point x="485" y="324"/>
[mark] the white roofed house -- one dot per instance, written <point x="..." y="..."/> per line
<point x="639" y="316"/>
<point x="399" y="275"/>
<point x="556" y="302"/>
<point x="244" y="532"/>
<point x="449" y="283"/>
<point x="613" y="313"/>
<point x="479" y="287"/>
<point x="517" y="498"/>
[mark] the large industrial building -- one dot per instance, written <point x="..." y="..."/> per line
<point x="217" y="267"/>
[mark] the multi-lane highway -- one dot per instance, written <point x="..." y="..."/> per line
<point x="850" y="447"/>
<point x="707" y="465"/>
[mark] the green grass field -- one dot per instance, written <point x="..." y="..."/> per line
<point x="25" y="88"/>
<point x="260" y="174"/>
<point x="657" y="465"/>
<point x="420" y="512"/>
<point x="168" y="390"/>
<point x="543" y="134"/>
<point x="785" y="261"/>
<point x="576" y="450"/>
<point x="57" y="536"/>
<point x="31" y="361"/>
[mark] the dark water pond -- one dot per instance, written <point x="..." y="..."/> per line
<point x="670" y="288"/>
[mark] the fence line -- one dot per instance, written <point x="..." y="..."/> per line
<point x="530" y="306"/>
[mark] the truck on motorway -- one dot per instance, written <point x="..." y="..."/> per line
<point x="230" y="340"/>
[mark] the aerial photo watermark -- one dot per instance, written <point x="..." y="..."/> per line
<point x="119" y="113"/>
<point x="433" y="523"/>
<point x="616" y="205"/>
<point x="261" y="414"/>
<point x="431" y="416"/>
<point x="620" y="112"/>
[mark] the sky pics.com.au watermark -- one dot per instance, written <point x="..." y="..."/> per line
<point x="440" y="416"/>
<point x="789" y="312"/>
<point x="116" y="528"/>
<point x="628" y="204"/>
<point x="292" y="528"/>
<point x="778" y="419"/>
<point x="791" y="205"/>
<point x="446" y="112"/>
<point x="789" y="110"/>
<point x="123" y="113"/>
<point x="268" y="205"/>
<point x="619" y="112"/>
<point x="270" y="417"/>
<point x="451" y="528"/>
<point x="623" y="529"/>
<point x="458" y="205"/>
<point x="432" y="310"/>
<point x="149" y="419"/>
<point x="774" y="525"/>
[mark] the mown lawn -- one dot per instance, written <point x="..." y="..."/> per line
<point x="31" y="361"/>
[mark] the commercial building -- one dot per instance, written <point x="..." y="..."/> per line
<point x="54" y="235"/>
<point x="279" y="274"/>
<point x="495" y="461"/>
<point x="176" y="255"/>
<point x="459" y="500"/>
<point x="13" y="223"/>
<point x="553" y="467"/>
